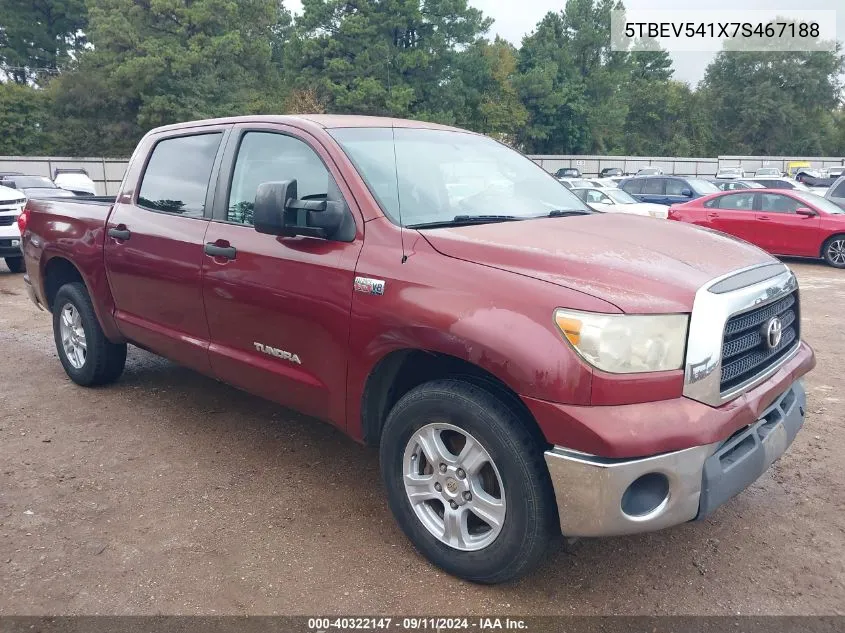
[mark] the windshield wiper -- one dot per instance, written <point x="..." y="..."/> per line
<point x="561" y="213"/>
<point x="462" y="220"/>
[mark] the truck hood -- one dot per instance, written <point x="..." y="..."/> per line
<point x="640" y="265"/>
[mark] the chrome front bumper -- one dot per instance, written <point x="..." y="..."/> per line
<point x="605" y="497"/>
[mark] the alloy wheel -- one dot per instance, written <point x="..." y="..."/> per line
<point x="454" y="487"/>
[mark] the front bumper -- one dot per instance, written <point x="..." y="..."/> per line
<point x="10" y="247"/>
<point x="610" y="496"/>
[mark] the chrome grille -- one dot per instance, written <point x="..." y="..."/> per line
<point x="7" y="220"/>
<point x="745" y="350"/>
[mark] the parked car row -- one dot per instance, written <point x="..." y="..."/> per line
<point x="75" y="181"/>
<point x="16" y="188"/>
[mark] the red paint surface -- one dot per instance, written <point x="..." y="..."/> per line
<point x="484" y="294"/>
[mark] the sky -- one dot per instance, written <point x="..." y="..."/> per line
<point x="516" y="18"/>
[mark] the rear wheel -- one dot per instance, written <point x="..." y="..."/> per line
<point x="15" y="264"/>
<point x="467" y="482"/>
<point x="833" y="251"/>
<point x="88" y="357"/>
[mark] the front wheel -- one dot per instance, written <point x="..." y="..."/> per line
<point x="467" y="482"/>
<point x="15" y="264"/>
<point x="88" y="357"/>
<point x="833" y="251"/>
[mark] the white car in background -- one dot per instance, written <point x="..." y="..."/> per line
<point x="613" y="200"/>
<point x="650" y="171"/>
<point x="765" y="172"/>
<point x="577" y="183"/>
<point x="75" y="180"/>
<point x="730" y="172"/>
<point x="12" y="202"/>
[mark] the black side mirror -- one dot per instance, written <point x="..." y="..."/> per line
<point x="278" y="211"/>
<point x="686" y="193"/>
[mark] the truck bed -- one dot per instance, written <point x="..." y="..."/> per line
<point x="71" y="229"/>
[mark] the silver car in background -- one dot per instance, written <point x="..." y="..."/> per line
<point x="836" y="192"/>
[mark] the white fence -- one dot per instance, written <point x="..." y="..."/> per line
<point x="105" y="172"/>
<point x="108" y="172"/>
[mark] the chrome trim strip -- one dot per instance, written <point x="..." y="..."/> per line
<point x="710" y="313"/>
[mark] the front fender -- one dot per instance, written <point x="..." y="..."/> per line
<point x="499" y="321"/>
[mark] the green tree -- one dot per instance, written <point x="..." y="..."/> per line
<point x="773" y="103"/>
<point x="395" y="57"/>
<point x="24" y="112"/>
<point x="551" y="91"/>
<point x="484" y="78"/>
<point x="164" y="61"/>
<point x="38" y="36"/>
<point x="572" y="83"/>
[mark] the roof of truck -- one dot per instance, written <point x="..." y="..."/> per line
<point x="314" y="120"/>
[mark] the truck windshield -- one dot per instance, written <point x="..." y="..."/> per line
<point x="425" y="177"/>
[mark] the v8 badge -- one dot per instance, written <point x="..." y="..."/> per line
<point x="369" y="286"/>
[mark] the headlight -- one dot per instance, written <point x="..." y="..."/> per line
<point x="626" y="343"/>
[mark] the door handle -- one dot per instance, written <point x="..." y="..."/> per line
<point x="227" y="252"/>
<point x="764" y="218"/>
<point x="119" y="232"/>
<point x="710" y="216"/>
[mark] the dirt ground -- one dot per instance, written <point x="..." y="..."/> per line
<point x="171" y="493"/>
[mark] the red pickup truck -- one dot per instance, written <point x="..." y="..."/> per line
<point x="526" y="367"/>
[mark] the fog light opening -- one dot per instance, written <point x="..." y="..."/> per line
<point x="645" y="495"/>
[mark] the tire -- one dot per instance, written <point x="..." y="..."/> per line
<point x="516" y="470"/>
<point x="102" y="361"/>
<point x="15" y="264"/>
<point x="833" y="251"/>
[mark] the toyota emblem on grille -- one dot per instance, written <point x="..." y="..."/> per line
<point x="774" y="332"/>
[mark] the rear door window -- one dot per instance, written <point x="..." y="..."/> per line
<point x="177" y="174"/>
<point x="633" y="186"/>
<point x="653" y="185"/>
<point x="737" y="202"/>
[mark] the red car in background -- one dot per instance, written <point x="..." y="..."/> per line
<point x="782" y="222"/>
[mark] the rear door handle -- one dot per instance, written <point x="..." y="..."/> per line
<point x="120" y="232"/>
<point x="764" y="218"/>
<point x="227" y="252"/>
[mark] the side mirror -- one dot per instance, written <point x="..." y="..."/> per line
<point x="805" y="211"/>
<point x="605" y="200"/>
<point x="687" y="193"/>
<point x="278" y="211"/>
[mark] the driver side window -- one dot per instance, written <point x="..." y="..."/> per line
<point x="271" y="157"/>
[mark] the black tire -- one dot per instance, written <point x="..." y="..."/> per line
<point x="15" y="264"/>
<point x="530" y="527"/>
<point x="104" y="360"/>
<point x="827" y="250"/>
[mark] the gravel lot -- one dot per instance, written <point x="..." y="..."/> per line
<point x="171" y="493"/>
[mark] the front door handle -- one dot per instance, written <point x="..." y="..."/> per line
<point x="120" y="232"/>
<point x="227" y="252"/>
<point x="764" y="218"/>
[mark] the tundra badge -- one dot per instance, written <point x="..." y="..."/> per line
<point x="369" y="286"/>
<point x="278" y="353"/>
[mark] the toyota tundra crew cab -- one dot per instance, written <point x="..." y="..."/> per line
<point x="528" y="369"/>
